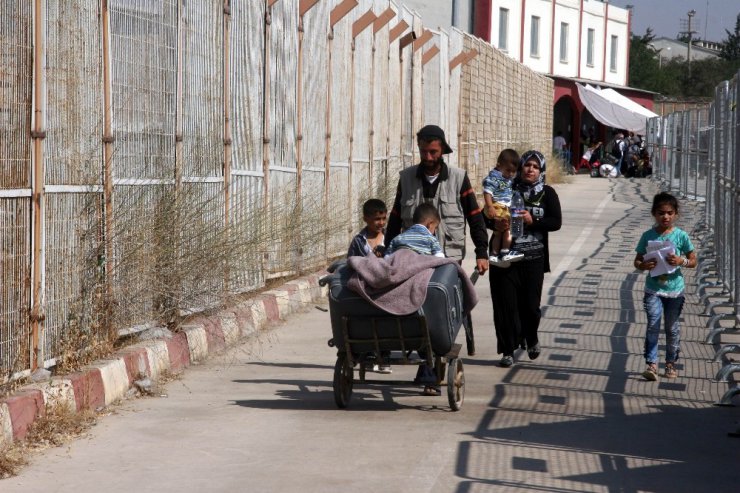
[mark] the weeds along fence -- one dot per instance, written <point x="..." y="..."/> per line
<point x="159" y="157"/>
<point x="696" y="154"/>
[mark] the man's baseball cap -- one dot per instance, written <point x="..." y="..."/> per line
<point x="433" y="132"/>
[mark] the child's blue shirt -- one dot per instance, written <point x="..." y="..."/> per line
<point x="498" y="187"/>
<point x="668" y="285"/>
<point x="419" y="239"/>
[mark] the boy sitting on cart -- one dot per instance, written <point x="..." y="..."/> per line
<point x="420" y="239"/>
<point x="370" y="241"/>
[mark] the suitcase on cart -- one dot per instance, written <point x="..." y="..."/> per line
<point x="442" y="309"/>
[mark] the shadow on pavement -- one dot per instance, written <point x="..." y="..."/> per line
<point x="310" y="395"/>
<point x="671" y="449"/>
<point x="301" y="366"/>
<point x="580" y="418"/>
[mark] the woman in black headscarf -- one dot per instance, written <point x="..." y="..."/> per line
<point x="516" y="288"/>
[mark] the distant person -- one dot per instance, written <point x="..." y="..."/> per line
<point x="497" y="195"/>
<point x="559" y="143"/>
<point x="631" y="155"/>
<point x="616" y="150"/>
<point x="370" y="238"/>
<point x="588" y="158"/>
<point x="664" y="293"/>
<point x="622" y="145"/>
<point x="420" y="236"/>
<point x="643" y="164"/>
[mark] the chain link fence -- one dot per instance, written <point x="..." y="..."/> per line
<point x="159" y="158"/>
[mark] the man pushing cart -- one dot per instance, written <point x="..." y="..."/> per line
<point x="409" y="307"/>
<point x="449" y="190"/>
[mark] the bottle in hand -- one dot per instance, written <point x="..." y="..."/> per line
<point x="517" y="207"/>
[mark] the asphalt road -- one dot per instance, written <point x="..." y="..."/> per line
<point x="261" y="417"/>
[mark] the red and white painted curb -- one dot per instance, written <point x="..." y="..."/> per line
<point x="107" y="381"/>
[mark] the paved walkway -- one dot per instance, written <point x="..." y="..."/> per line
<point x="580" y="418"/>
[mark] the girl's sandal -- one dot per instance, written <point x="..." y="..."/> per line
<point x="651" y="372"/>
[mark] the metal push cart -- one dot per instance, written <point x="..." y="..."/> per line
<point x="364" y="334"/>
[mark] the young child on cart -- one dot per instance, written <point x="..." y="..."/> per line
<point x="420" y="237"/>
<point x="370" y="241"/>
<point x="497" y="194"/>
<point x="370" y="238"/>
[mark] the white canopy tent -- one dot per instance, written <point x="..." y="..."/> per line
<point x="612" y="109"/>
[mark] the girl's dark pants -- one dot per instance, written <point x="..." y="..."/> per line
<point x="515" y="294"/>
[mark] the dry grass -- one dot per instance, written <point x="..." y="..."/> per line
<point x="58" y="426"/>
<point x="174" y="255"/>
<point x="11" y="385"/>
<point x="12" y="459"/>
<point x="556" y="170"/>
<point x="80" y="349"/>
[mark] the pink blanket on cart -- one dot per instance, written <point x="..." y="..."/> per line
<point x="398" y="284"/>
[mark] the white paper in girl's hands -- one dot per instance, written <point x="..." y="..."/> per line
<point x="659" y="251"/>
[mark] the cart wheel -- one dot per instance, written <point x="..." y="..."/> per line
<point x="455" y="383"/>
<point x="343" y="379"/>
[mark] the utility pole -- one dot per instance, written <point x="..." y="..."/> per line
<point x="689" y="34"/>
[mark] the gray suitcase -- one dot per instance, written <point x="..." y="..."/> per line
<point x="441" y="312"/>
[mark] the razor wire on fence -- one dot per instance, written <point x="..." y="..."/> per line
<point x="696" y="153"/>
<point x="161" y="157"/>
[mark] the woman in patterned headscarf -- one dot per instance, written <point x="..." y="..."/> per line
<point x="516" y="289"/>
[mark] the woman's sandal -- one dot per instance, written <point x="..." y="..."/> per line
<point x="430" y="390"/>
<point x="534" y="351"/>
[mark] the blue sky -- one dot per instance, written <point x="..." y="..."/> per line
<point x="664" y="16"/>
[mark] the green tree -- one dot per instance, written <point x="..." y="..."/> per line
<point x="731" y="46"/>
<point x="645" y="66"/>
<point x="671" y="77"/>
<point x="706" y="74"/>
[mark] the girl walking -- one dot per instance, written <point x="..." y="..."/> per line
<point x="664" y="287"/>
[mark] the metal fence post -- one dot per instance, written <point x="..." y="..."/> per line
<point x="350" y="170"/>
<point x="327" y="141"/>
<point x="299" y="134"/>
<point x="108" y="150"/>
<point x="38" y="133"/>
<point x="228" y="150"/>
<point x="266" y="112"/>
